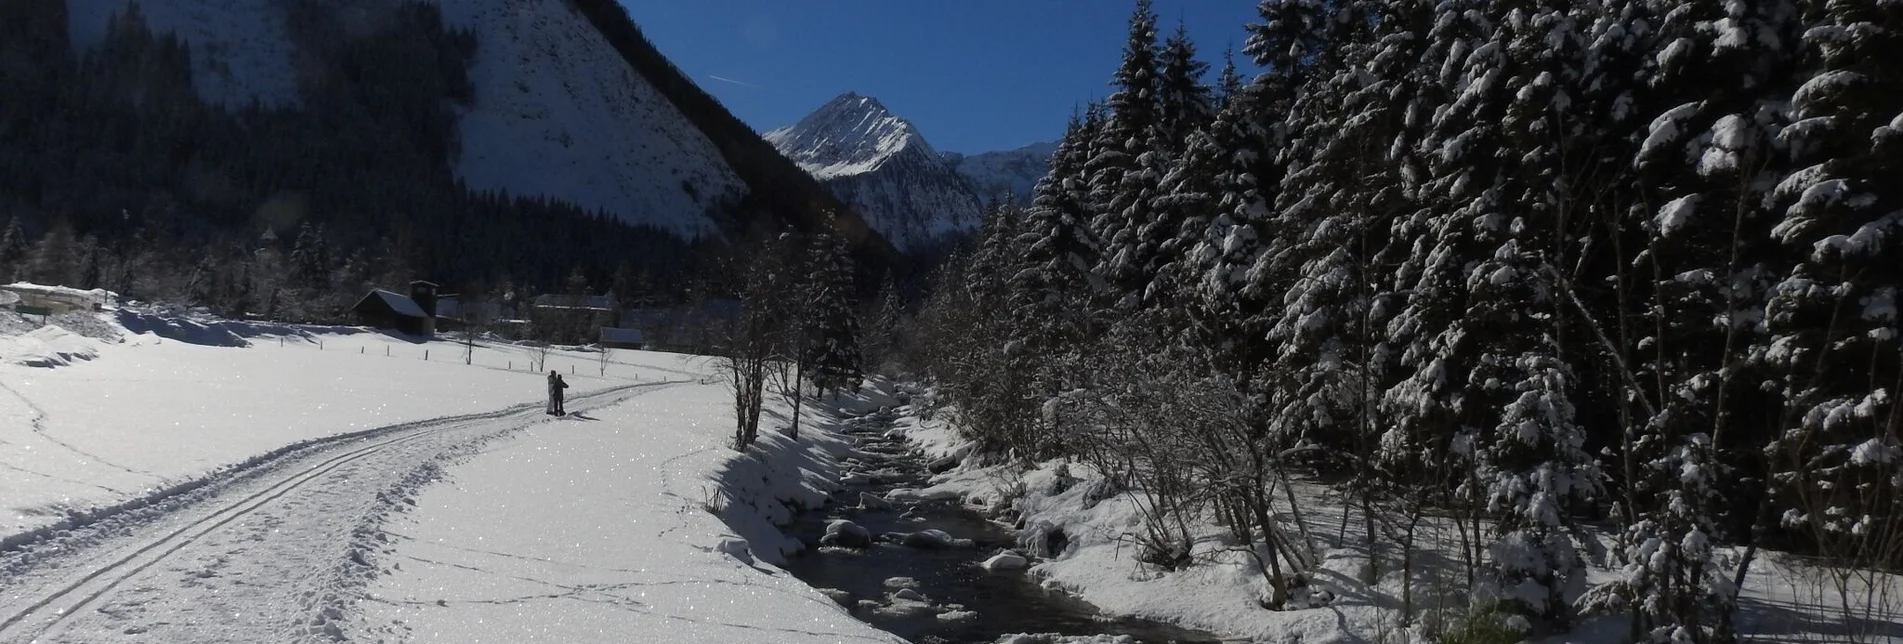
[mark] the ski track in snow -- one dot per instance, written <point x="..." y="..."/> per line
<point x="62" y="479"/>
<point x="269" y="553"/>
<point x="39" y="427"/>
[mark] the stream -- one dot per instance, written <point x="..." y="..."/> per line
<point x="929" y="592"/>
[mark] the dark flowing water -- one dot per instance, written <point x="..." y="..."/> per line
<point x="1004" y="602"/>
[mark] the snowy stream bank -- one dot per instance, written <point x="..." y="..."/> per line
<point x="925" y="568"/>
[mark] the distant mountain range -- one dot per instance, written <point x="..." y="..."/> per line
<point x="1009" y="173"/>
<point x="914" y="195"/>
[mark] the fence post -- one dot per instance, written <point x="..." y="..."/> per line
<point x="386" y="351"/>
<point x="426" y="354"/>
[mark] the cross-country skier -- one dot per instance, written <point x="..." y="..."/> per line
<point x="555" y="387"/>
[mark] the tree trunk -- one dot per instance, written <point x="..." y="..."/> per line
<point x="799" y="397"/>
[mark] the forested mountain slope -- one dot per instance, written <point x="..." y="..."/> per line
<point x="179" y="150"/>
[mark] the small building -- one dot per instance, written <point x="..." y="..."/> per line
<point x="413" y="314"/>
<point x="619" y="338"/>
<point x="42" y="299"/>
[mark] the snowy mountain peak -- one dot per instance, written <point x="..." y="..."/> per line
<point x="851" y="134"/>
<point x="878" y="163"/>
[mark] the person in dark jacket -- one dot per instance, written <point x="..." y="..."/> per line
<point x="555" y="387"/>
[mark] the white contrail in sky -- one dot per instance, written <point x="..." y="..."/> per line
<point x="729" y="80"/>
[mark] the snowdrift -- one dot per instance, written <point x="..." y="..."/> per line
<point x="213" y="332"/>
<point x="48" y="346"/>
<point x="758" y="491"/>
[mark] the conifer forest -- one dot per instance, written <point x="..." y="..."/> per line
<point x="1542" y="269"/>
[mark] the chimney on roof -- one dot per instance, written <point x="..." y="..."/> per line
<point x="425" y="295"/>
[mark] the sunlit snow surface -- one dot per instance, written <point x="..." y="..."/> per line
<point x="477" y="518"/>
<point x="593" y="530"/>
<point x="147" y="412"/>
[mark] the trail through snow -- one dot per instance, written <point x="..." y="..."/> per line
<point x="269" y="553"/>
<point x="600" y="531"/>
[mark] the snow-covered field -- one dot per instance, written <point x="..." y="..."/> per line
<point x="162" y="484"/>
<point x="146" y="412"/>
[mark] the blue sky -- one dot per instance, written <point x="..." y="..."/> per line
<point x="973" y="75"/>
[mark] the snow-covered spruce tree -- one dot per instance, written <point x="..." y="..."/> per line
<point x="1101" y="160"/>
<point x="1348" y="182"/>
<point x="1236" y="250"/>
<point x="883" y="321"/>
<point x="1690" y="306"/>
<point x="1181" y="194"/>
<point x="1342" y="189"/>
<point x="1049" y="288"/>
<point x="1054" y="251"/>
<point x="1066" y="186"/>
<point x="1220" y="253"/>
<point x="833" y="345"/>
<point x="1482" y="361"/>
<point x="1833" y="322"/>
<point x="1132" y="234"/>
<point x="1191" y="194"/>
<point x="310" y="258"/>
<point x="1186" y="103"/>
<point x="1292" y="33"/>
<point x="1531" y="463"/>
<point x="1129" y="163"/>
<point x="1317" y="379"/>
<point x="1422" y="408"/>
<point x="1367" y="169"/>
<point x="1228" y="84"/>
<point x="309" y="279"/>
<point x="982" y="362"/>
